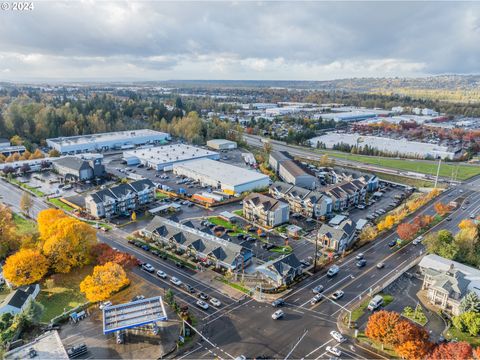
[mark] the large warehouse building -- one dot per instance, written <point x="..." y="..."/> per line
<point x="231" y="179"/>
<point x="221" y="144"/>
<point x="163" y="157"/>
<point x="107" y="141"/>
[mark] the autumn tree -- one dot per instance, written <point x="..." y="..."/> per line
<point x="407" y="231"/>
<point x="441" y="243"/>
<point x="452" y="351"/>
<point x="381" y="327"/>
<point x="25" y="267"/>
<point x="407" y="331"/>
<point x="26" y="203"/>
<point x="441" y="208"/>
<point x="54" y="153"/>
<point x="466" y="224"/>
<point x="69" y="244"/>
<point x="46" y="220"/>
<point x="413" y="349"/>
<point x="105" y="281"/>
<point x="9" y="241"/>
<point x="103" y="253"/>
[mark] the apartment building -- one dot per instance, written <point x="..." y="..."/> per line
<point x="122" y="199"/>
<point x="347" y="193"/>
<point x="265" y="211"/>
<point x="338" y="237"/>
<point x="309" y="203"/>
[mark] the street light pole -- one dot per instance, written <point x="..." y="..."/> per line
<point x="438" y="171"/>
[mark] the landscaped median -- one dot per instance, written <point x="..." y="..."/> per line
<point x="60" y="204"/>
<point x="359" y="310"/>
<point x="33" y="190"/>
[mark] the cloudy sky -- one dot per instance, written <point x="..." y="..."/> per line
<point x="158" y="40"/>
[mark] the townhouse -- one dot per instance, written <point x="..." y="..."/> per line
<point x="347" y="193"/>
<point x="309" y="203"/>
<point x="265" y="211"/>
<point x="337" y="238"/>
<point x="122" y="199"/>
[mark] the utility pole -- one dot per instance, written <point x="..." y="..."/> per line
<point x="438" y="171"/>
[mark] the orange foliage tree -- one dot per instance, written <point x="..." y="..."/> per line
<point x="105" y="281"/>
<point x="103" y="253"/>
<point x="69" y="245"/>
<point x="441" y="208"/>
<point x="413" y="349"/>
<point x="466" y="224"/>
<point x="381" y="327"/>
<point x="407" y="231"/>
<point x="452" y="351"/>
<point x="25" y="267"/>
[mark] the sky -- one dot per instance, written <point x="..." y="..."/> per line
<point x="243" y="40"/>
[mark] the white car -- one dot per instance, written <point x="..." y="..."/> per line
<point x="333" y="271"/>
<point x="161" y="274"/>
<point x="148" y="267"/>
<point x="315" y="299"/>
<point x="337" y="336"/>
<point x="215" y="302"/>
<point x="418" y="240"/>
<point x="317" y="289"/>
<point x="175" y="281"/>
<point x="333" y="350"/>
<point x="359" y="256"/>
<point x="277" y="314"/>
<point x="202" y="304"/>
<point x="337" y="294"/>
<point x="105" y="304"/>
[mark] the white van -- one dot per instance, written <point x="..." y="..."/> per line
<point x="375" y="303"/>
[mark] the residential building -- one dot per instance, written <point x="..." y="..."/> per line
<point x="281" y="271"/>
<point x="229" y="178"/>
<point x="18" y="300"/>
<point x="74" y="168"/>
<point x="265" y="211"/>
<point x="47" y="346"/>
<point x="338" y="237"/>
<point x="290" y="171"/>
<point x="348" y="193"/>
<point x="447" y="282"/>
<point x="309" y="203"/>
<point x="122" y="199"/>
<point x="205" y="247"/>
<point x="221" y="144"/>
<point x="107" y="141"/>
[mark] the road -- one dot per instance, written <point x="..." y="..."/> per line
<point x="11" y="195"/>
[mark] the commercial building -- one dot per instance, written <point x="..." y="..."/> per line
<point x="229" y="178"/>
<point x="221" y="144"/>
<point x="447" y="282"/>
<point x="282" y="271"/>
<point x="265" y="211"/>
<point x="206" y="248"/>
<point x="74" y="168"/>
<point x="164" y="157"/>
<point x="47" y="346"/>
<point x="400" y="147"/>
<point x="7" y="149"/>
<point x="122" y="199"/>
<point x="339" y="237"/>
<point x="312" y="204"/>
<point x="106" y="141"/>
<point x="290" y="171"/>
<point x="349" y="116"/>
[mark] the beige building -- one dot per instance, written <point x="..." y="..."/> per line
<point x="265" y="211"/>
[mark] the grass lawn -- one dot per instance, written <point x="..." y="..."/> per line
<point x="421" y="166"/>
<point x="454" y="334"/>
<point x="282" y="249"/>
<point x="238" y="212"/>
<point x="221" y="222"/>
<point x="24" y="226"/>
<point x="60" y="204"/>
<point x="387" y="350"/>
<point x="101" y="224"/>
<point x="233" y="285"/>
<point x="36" y="192"/>
<point x="63" y="294"/>
<point x="159" y="195"/>
<point x="360" y="310"/>
<point x="4" y="291"/>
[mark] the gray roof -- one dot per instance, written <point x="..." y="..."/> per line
<point x="452" y="282"/>
<point x="281" y="187"/>
<point x="72" y="162"/>
<point x="207" y="244"/>
<point x="345" y="229"/>
<point x="18" y="297"/>
<point x="118" y="191"/>
<point x="282" y="266"/>
<point x="266" y="202"/>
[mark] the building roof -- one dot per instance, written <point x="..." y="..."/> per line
<point x="282" y="266"/>
<point x="264" y="201"/>
<point x="452" y="282"/>
<point x="19" y="297"/>
<point x="220" y="142"/>
<point x="338" y="232"/>
<point x="46" y="346"/>
<point x="281" y="187"/>
<point x="294" y="169"/>
<point x="224" y="173"/>
<point x="72" y="162"/>
<point x="222" y="250"/>
<point x="110" y="136"/>
<point x="121" y="190"/>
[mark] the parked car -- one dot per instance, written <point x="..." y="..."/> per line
<point x="333" y="350"/>
<point x="215" y="302"/>
<point x="161" y="274"/>
<point x="146" y="247"/>
<point x="337" y="336"/>
<point x="148" y="267"/>
<point x="317" y="289"/>
<point x="202" y="304"/>
<point x="277" y="314"/>
<point x="175" y="281"/>
<point x="203" y="296"/>
<point x="375" y="303"/>
<point x="337" y="294"/>
<point x="138" y="297"/>
<point x="105" y="304"/>
<point x="278" y="302"/>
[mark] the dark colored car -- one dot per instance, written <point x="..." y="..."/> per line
<point x="145" y="247"/>
<point x="179" y="264"/>
<point x="361" y="263"/>
<point x="203" y="296"/>
<point x="278" y="303"/>
<point x="190" y="289"/>
<point x="392" y="243"/>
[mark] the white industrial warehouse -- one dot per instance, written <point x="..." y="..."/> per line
<point x="221" y="144"/>
<point x="400" y="146"/>
<point x="107" y="141"/>
<point x="163" y="157"/>
<point x="231" y="179"/>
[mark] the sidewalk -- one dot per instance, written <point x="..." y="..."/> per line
<point x="208" y="278"/>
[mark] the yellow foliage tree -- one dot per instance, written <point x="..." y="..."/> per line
<point x="466" y="224"/>
<point x="25" y="267"/>
<point x="105" y="280"/>
<point x="69" y="244"/>
<point x="134" y="216"/>
<point x="9" y="240"/>
<point x="46" y="220"/>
